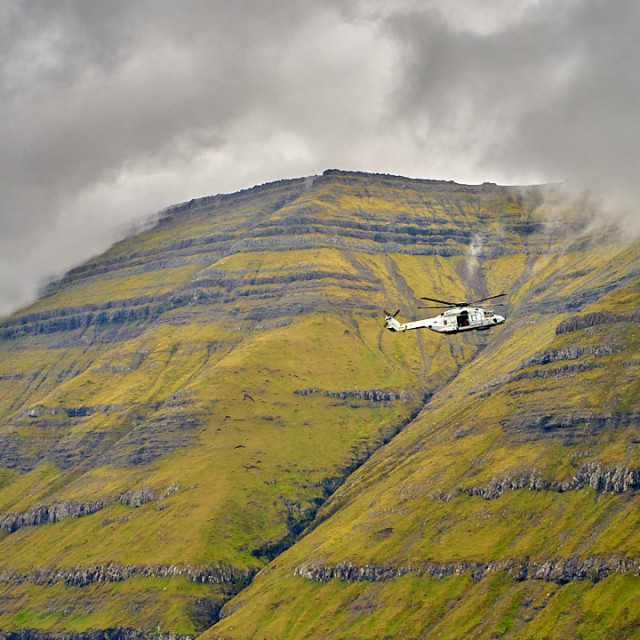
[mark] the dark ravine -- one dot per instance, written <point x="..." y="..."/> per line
<point x="359" y="457"/>
<point x="557" y="570"/>
<point x="302" y="521"/>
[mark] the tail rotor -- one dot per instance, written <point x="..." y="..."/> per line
<point x="390" y="321"/>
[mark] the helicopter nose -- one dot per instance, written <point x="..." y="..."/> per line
<point x="499" y="319"/>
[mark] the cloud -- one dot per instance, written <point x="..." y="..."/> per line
<point x="547" y="93"/>
<point x="112" y="111"/>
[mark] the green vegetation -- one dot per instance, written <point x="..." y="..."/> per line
<point x="218" y="393"/>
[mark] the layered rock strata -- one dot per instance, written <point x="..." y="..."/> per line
<point x="112" y="572"/>
<point x="602" y="479"/>
<point x="557" y="570"/>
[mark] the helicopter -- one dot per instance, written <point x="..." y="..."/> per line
<point x="460" y="316"/>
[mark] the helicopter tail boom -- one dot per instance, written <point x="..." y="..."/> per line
<point x="392" y="324"/>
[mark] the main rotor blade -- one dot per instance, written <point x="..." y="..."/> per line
<point x="440" y="306"/>
<point x="499" y="304"/>
<point x="447" y="302"/>
<point x="489" y="298"/>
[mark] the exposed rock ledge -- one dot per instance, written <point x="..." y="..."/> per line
<point x="122" y="633"/>
<point x="373" y="395"/>
<point x="559" y="571"/>
<point x="612" y="479"/>
<point x="587" y="320"/>
<point x="218" y="573"/>
<point x="56" y="511"/>
<point x="569" y="353"/>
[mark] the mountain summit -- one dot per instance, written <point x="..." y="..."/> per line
<point x="207" y="430"/>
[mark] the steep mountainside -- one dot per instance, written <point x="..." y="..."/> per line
<point x="176" y="412"/>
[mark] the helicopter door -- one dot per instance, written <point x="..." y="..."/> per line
<point x="463" y="319"/>
<point x="473" y="318"/>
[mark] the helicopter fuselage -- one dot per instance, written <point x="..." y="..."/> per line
<point x="451" y="321"/>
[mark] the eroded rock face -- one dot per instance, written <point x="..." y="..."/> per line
<point x="84" y="576"/>
<point x="613" y="479"/>
<point x="152" y="431"/>
<point x="122" y="633"/>
<point x="56" y="511"/>
<point x="538" y="424"/>
<point x="595" y="319"/>
<point x="559" y="571"/>
<point x="569" y="353"/>
<point x="371" y="395"/>
<point x="603" y="479"/>
<point x="557" y="372"/>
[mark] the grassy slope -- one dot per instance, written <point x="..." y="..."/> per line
<point x="476" y="429"/>
<point x="261" y="458"/>
<point x="252" y="456"/>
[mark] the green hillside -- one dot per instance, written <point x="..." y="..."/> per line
<point x="207" y="425"/>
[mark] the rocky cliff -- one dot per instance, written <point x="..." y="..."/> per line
<point x="206" y="428"/>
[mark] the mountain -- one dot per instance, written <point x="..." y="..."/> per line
<point x="206" y="430"/>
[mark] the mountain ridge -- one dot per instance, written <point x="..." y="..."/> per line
<point x="215" y="396"/>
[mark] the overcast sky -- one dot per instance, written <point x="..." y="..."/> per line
<point x="114" y="109"/>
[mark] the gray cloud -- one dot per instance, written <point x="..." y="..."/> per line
<point x="112" y="111"/>
<point x="550" y="93"/>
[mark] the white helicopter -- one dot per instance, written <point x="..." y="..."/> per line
<point x="460" y="316"/>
